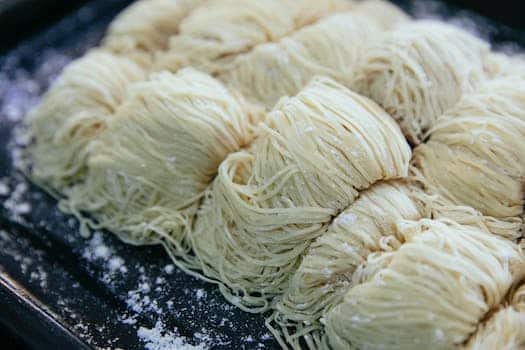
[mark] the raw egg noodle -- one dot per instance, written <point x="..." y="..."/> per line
<point x="433" y="292"/>
<point x="481" y="141"/>
<point x="419" y="70"/>
<point x="257" y="142"/>
<point x="73" y="112"/>
<point x="505" y="329"/>
<point x="161" y="149"/>
<point x="339" y="258"/>
<point x="146" y="26"/>
<point x="218" y="30"/>
<point x="314" y="154"/>
<point x="331" y="47"/>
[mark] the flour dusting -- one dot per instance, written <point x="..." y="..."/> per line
<point x="158" y="338"/>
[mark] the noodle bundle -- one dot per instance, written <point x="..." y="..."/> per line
<point x="220" y="29"/>
<point x="432" y="294"/>
<point x="509" y="228"/>
<point x="248" y="158"/>
<point x="337" y="259"/>
<point x="502" y="96"/>
<point x="330" y="47"/>
<point x="419" y="70"/>
<point x="354" y="247"/>
<point x="314" y="154"/>
<point x="279" y="69"/>
<point x="502" y="65"/>
<point x="150" y="167"/>
<point x="145" y="27"/>
<point x="505" y="329"/>
<point x="72" y="113"/>
<point x="387" y="15"/>
<point x="476" y="153"/>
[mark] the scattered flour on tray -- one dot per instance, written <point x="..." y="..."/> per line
<point x="158" y="338"/>
<point x="199" y="293"/>
<point x="28" y="266"/>
<point x="139" y="301"/>
<point x="98" y="250"/>
<point x="4" y="187"/>
<point x="15" y="202"/>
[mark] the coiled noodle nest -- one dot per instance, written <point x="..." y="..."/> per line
<point x="419" y="70"/>
<point x="314" y="154"/>
<point x="145" y="27"/>
<point x="480" y="144"/>
<point x="435" y="289"/>
<point x="330" y="47"/>
<point x="72" y="113"/>
<point x="279" y="69"/>
<point x="337" y="259"/>
<point x="149" y="169"/>
<point x="505" y="329"/>
<point x="218" y="30"/>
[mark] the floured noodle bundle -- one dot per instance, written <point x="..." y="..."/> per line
<point x="419" y="70"/>
<point x="509" y="228"/>
<point x="330" y="47"/>
<point x="436" y="288"/>
<point x="383" y="12"/>
<point x="161" y="149"/>
<point x="337" y="259"/>
<point x="315" y="153"/>
<point x="248" y="158"/>
<point x="351" y="251"/>
<point x="505" y="329"/>
<point x="482" y="148"/>
<point x="72" y="113"/>
<point x="501" y="96"/>
<point x="145" y="27"/>
<point x="474" y="176"/>
<point x="501" y="65"/>
<point x="220" y="29"/>
<point x="274" y="70"/>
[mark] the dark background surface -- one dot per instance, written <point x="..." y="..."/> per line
<point x="21" y="18"/>
<point x="23" y="28"/>
<point x="509" y="12"/>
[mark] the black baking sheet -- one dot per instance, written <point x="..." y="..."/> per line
<point x="60" y="291"/>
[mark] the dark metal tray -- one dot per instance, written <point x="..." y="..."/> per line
<point x="60" y="291"/>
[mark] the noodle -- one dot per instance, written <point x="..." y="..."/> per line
<point x="72" y="113"/>
<point x="419" y="70"/>
<point x="336" y="260"/>
<point x="505" y="329"/>
<point x="150" y="167"/>
<point x="288" y="190"/>
<point x="311" y="159"/>
<point x="480" y="143"/>
<point x="220" y="29"/>
<point x="145" y="27"/>
<point x="330" y="47"/>
<point x="434" y="291"/>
